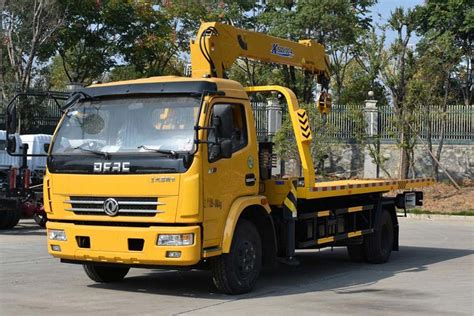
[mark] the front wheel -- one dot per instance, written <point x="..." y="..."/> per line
<point x="105" y="274"/>
<point x="237" y="271"/>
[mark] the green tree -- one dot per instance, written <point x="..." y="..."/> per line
<point x="86" y="43"/>
<point x="368" y="55"/>
<point x="187" y="17"/>
<point x="147" y="37"/>
<point x="452" y="19"/>
<point x="54" y="76"/>
<point x="358" y="83"/>
<point x="397" y="68"/>
<point x="336" y="24"/>
<point x="26" y="26"/>
<point x="123" y="72"/>
<point x="135" y="36"/>
<point x="430" y="89"/>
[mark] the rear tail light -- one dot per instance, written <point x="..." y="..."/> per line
<point x="26" y="178"/>
<point x="12" y="180"/>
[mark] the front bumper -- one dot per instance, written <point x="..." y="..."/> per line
<point x="110" y="244"/>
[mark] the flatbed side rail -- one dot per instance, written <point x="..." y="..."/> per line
<point x="352" y="187"/>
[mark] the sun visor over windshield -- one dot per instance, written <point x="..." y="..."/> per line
<point x="184" y="87"/>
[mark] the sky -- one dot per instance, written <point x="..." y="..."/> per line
<point x="384" y="7"/>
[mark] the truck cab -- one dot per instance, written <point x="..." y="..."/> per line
<point x="146" y="171"/>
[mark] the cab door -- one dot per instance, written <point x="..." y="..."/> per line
<point x="226" y="179"/>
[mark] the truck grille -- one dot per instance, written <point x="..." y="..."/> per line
<point x="128" y="206"/>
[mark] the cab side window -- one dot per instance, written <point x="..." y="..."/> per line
<point x="236" y="132"/>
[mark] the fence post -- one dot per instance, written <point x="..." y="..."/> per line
<point x="274" y="120"/>
<point x="371" y="115"/>
<point x="274" y="117"/>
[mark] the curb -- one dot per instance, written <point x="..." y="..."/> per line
<point x="455" y="218"/>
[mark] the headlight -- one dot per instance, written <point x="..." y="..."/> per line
<point x="57" y="234"/>
<point x="175" y="240"/>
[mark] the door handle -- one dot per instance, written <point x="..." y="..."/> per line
<point x="250" y="179"/>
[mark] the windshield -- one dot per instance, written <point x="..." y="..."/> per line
<point x="138" y="124"/>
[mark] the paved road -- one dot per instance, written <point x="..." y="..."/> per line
<point x="432" y="274"/>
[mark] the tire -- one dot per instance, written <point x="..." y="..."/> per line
<point x="105" y="274"/>
<point x="40" y="219"/>
<point x="3" y="216"/>
<point x="10" y="219"/>
<point x="238" y="271"/>
<point x="356" y="253"/>
<point x="378" y="245"/>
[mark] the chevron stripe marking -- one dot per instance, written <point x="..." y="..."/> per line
<point x="304" y="122"/>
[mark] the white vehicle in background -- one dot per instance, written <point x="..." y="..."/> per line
<point x="36" y="145"/>
<point x="21" y="179"/>
<point x="10" y="212"/>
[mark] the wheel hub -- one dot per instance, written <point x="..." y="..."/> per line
<point x="246" y="258"/>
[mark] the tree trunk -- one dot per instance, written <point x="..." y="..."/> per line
<point x="404" y="157"/>
<point x="443" y="123"/>
<point x="293" y="80"/>
<point x="429" y="139"/>
<point x="308" y="87"/>
<point x="286" y="75"/>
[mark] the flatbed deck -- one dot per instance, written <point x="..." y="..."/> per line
<point x="353" y="187"/>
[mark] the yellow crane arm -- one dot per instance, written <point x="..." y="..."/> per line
<point x="218" y="45"/>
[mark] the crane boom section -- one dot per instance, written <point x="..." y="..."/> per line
<point x="218" y="45"/>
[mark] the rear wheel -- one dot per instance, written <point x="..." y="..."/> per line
<point x="237" y="271"/>
<point x="9" y="219"/>
<point x="379" y="244"/>
<point x="105" y="274"/>
<point x="3" y="215"/>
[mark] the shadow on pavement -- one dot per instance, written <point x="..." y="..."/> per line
<point x="318" y="271"/>
<point x="26" y="227"/>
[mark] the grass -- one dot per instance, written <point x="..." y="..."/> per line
<point x="418" y="211"/>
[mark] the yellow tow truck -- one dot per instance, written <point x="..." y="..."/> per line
<point x="168" y="172"/>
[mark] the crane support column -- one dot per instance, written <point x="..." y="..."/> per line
<point x="301" y="128"/>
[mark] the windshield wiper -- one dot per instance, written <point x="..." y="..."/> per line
<point x="168" y="152"/>
<point x="105" y="154"/>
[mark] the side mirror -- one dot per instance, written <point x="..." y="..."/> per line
<point x="214" y="152"/>
<point x="216" y="122"/>
<point x="223" y="149"/>
<point x="222" y="121"/>
<point x="11" y="144"/>
<point x="220" y="145"/>
<point x="11" y="123"/>
<point x="226" y="148"/>
<point x="11" y="119"/>
<point x="46" y="148"/>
